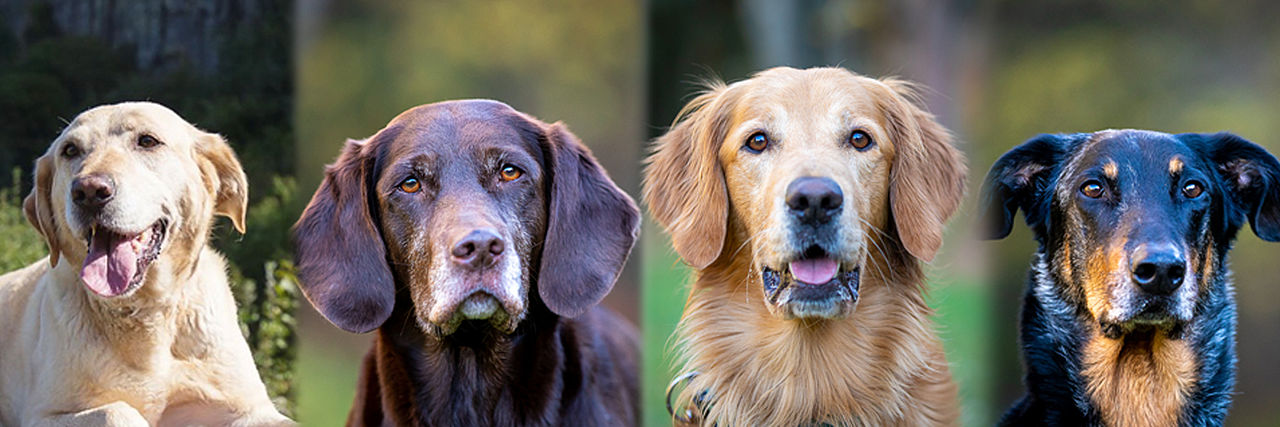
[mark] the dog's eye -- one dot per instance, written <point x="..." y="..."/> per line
<point x="1192" y="189"/>
<point x="757" y="142"/>
<point x="147" y="141"/>
<point x="1092" y="189"/>
<point x="510" y="173"/>
<point x="70" y="151"/>
<point x="410" y="185"/>
<point x="860" y="140"/>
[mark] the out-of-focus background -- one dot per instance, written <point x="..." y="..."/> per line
<point x="224" y="65"/>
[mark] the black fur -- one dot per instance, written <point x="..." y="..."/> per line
<point x="1041" y="178"/>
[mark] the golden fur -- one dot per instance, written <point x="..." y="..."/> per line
<point x="1138" y="382"/>
<point x="170" y="351"/>
<point x="881" y="365"/>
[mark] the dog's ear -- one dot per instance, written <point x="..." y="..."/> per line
<point x="1252" y="179"/>
<point x="340" y="254"/>
<point x="1016" y="180"/>
<point x="591" y="227"/>
<point x="684" y="183"/>
<point x="39" y="209"/>
<point x="928" y="176"/>
<point x="225" y="178"/>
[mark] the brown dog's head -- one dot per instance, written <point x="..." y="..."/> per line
<point x="128" y="191"/>
<point x="809" y="173"/>
<point x="455" y="203"/>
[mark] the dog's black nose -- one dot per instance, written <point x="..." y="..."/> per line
<point x="814" y="200"/>
<point x="1159" y="270"/>
<point x="92" y="191"/>
<point x="478" y="249"/>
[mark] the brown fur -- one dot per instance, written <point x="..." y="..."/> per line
<point x="883" y="364"/>
<point x="1137" y="382"/>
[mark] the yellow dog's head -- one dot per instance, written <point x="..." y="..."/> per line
<point x="811" y="175"/>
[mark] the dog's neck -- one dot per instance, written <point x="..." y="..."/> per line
<point x="1142" y="378"/>
<point x="758" y="369"/>
<point x="452" y="380"/>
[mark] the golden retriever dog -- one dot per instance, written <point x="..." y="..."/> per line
<point x="130" y="320"/>
<point x="806" y="201"/>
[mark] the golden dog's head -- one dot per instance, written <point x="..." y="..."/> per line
<point x="811" y="175"/>
<point x="128" y="191"/>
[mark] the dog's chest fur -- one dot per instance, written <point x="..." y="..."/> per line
<point x="882" y="366"/>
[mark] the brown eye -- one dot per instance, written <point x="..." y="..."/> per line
<point x="860" y="140"/>
<point x="757" y="142"/>
<point x="147" y="141"/>
<point x="510" y="173"/>
<point x="410" y="185"/>
<point x="1192" y="189"/>
<point x="1092" y="189"/>
<point x="70" y="151"/>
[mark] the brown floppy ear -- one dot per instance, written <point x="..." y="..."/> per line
<point x="928" y="177"/>
<point x="39" y="209"/>
<point x="225" y="177"/>
<point x="684" y="183"/>
<point x="339" y="252"/>
<point x="591" y="227"/>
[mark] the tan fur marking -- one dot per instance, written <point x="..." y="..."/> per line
<point x="1138" y="382"/>
<point x="1111" y="170"/>
<point x="1175" y="166"/>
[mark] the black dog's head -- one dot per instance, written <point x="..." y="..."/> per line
<point x="1134" y="225"/>
<point x="454" y="204"/>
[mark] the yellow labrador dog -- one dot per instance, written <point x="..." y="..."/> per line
<point x="130" y="320"/>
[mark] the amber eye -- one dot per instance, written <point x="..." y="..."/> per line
<point x="410" y="185"/>
<point x="1092" y="189"/>
<point x="147" y="141"/>
<point x="757" y="142"/>
<point x="1192" y="189"/>
<point x="70" y="151"/>
<point x="860" y="140"/>
<point x="510" y="173"/>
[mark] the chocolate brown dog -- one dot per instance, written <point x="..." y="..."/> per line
<point x="477" y="240"/>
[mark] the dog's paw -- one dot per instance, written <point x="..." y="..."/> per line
<point x="114" y="414"/>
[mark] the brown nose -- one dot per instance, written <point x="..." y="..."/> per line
<point x="92" y="192"/>
<point x="478" y="249"/>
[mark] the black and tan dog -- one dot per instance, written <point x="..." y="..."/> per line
<point x="1129" y="317"/>
<point x="477" y="240"/>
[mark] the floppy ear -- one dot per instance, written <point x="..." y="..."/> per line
<point x="341" y="258"/>
<point x="591" y="227"/>
<point x="224" y="176"/>
<point x="1252" y="178"/>
<point x="39" y="209"/>
<point x="927" y="182"/>
<point x="1016" y="180"/>
<point x="683" y="181"/>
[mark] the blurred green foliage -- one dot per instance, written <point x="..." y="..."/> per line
<point x="22" y="243"/>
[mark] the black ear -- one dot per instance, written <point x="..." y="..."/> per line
<point x="591" y="226"/>
<point x="1018" y="180"/>
<point x="1251" y="176"/>
<point x="341" y="258"/>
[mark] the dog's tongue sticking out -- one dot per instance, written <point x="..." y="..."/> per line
<point x="111" y="263"/>
<point x="814" y="271"/>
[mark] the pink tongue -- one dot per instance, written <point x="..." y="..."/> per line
<point x="110" y="265"/>
<point x="814" y="271"/>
